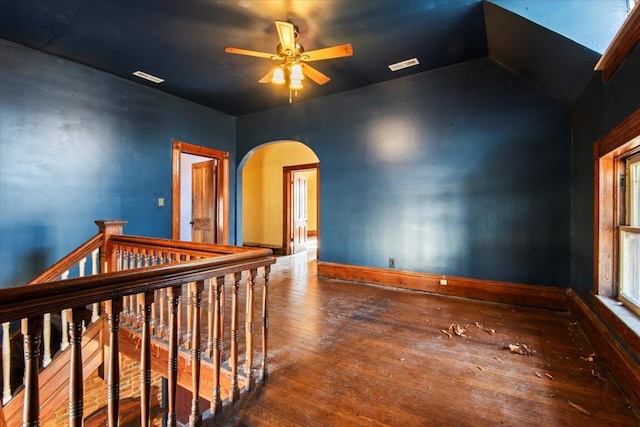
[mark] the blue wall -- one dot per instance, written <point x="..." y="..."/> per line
<point x="460" y="171"/>
<point x="77" y="145"/>
<point x="600" y="108"/>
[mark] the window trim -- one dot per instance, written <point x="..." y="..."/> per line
<point x="624" y="40"/>
<point x="609" y="154"/>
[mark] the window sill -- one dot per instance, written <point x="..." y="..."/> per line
<point x="622" y="320"/>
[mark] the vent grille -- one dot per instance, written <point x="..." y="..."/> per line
<point x="148" y="76"/>
<point x="404" y="64"/>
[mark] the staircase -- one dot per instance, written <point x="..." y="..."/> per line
<point x="146" y="303"/>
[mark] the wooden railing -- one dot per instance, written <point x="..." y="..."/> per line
<point x="144" y="284"/>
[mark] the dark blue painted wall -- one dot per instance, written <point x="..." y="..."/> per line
<point x="77" y="145"/>
<point x="459" y="171"/>
<point x="600" y="108"/>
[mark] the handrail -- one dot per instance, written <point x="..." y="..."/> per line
<point x="73" y="258"/>
<point x="38" y="299"/>
<point x="194" y="247"/>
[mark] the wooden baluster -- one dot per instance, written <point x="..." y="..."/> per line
<point x="119" y="260"/>
<point x="188" y="302"/>
<point x="64" y="318"/>
<point x="195" y="419"/>
<point x="173" y="295"/>
<point x="140" y="312"/>
<point x="31" y="332"/>
<point x="234" y="391"/>
<point x="180" y="330"/>
<point x="76" y="388"/>
<point x="265" y="324"/>
<point x="162" y="305"/>
<point x="216" y="402"/>
<point x="46" y="340"/>
<point x="123" y="265"/>
<point x="6" y="363"/>
<point x="153" y="325"/>
<point x="145" y="360"/>
<point x="82" y="264"/>
<point x="95" y="313"/>
<point x="210" y="322"/>
<point x="113" y="308"/>
<point x="250" y="328"/>
<point x="222" y="316"/>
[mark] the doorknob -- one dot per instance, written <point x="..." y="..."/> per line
<point x="191" y="222"/>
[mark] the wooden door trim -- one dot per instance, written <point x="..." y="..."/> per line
<point x="222" y="226"/>
<point x="287" y="172"/>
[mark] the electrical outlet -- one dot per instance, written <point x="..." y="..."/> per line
<point x="392" y="263"/>
<point x="443" y="281"/>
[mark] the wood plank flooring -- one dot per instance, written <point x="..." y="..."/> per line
<point x="344" y="354"/>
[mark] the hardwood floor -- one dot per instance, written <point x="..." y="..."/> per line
<point x="344" y="354"/>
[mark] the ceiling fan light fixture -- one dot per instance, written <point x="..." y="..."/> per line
<point x="292" y="59"/>
<point x="296" y="72"/>
<point x="295" y="84"/>
<point x="278" y="76"/>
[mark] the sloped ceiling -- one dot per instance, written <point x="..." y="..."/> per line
<point x="183" y="42"/>
<point x="549" y="60"/>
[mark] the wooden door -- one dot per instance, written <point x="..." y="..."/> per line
<point x="300" y="218"/>
<point x="203" y="203"/>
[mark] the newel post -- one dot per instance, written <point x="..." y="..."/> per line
<point x="108" y="228"/>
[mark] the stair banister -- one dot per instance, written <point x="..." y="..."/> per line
<point x="206" y="264"/>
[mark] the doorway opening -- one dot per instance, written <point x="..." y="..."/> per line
<point x="300" y="203"/>
<point x="266" y="216"/>
<point x="200" y="194"/>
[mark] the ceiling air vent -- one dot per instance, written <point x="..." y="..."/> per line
<point x="148" y="76"/>
<point x="404" y="64"/>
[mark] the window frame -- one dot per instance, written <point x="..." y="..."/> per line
<point x="610" y="153"/>
<point x="631" y="223"/>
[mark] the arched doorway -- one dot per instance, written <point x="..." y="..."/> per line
<point x="272" y="204"/>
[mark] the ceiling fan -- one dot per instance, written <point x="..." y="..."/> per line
<point x="293" y="66"/>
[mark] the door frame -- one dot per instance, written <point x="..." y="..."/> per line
<point x="222" y="201"/>
<point x="287" y="212"/>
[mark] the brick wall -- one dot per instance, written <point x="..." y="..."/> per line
<point x="95" y="391"/>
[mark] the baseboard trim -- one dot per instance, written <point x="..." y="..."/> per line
<point x="488" y="290"/>
<point x="619" y="361"/>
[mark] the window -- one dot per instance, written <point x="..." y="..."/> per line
<point x="629" y="259"/>
<point x="630" y="4"/>
<point x="617" y="157"/>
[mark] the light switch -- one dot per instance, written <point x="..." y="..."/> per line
<point x="160" y="201"/>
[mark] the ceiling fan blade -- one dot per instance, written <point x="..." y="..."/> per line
<point x="250" y="53"/>
<point x="328" y="53"/>
<point x="314" y="74"/>
<point x="287" y="34"/>
<point x="267" y="77"/>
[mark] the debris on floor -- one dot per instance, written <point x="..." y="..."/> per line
<point x="588" y="358"/>
<point x="487" y="330"/>
<point x="446" y="333"/>
<point x="456" y="329"/>
<point x="522" y="349"/>
<point x="580" y="408"/>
